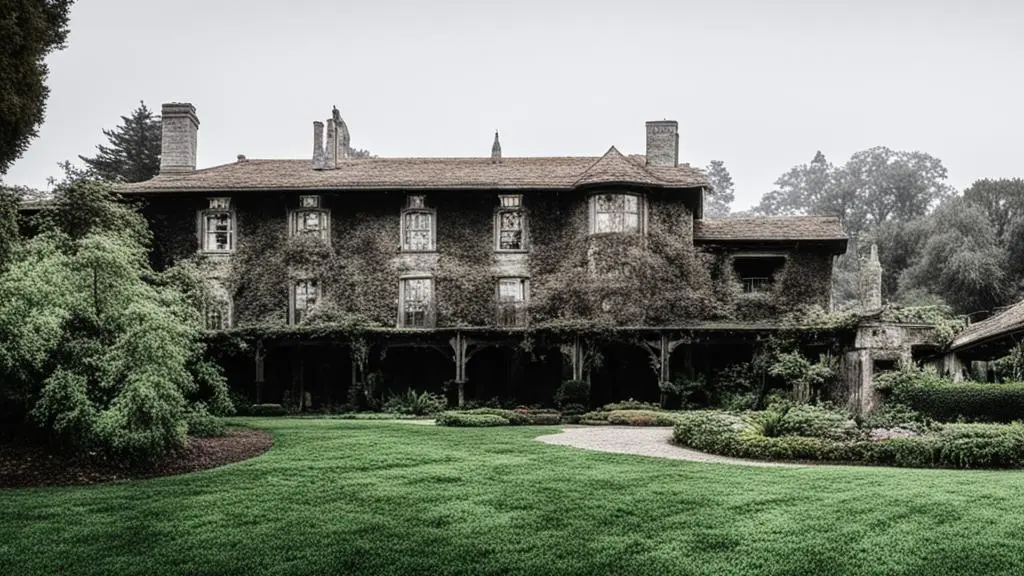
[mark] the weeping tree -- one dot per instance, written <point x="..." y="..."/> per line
<point x="102" y="355"/>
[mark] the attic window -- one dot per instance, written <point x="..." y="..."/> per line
<point x="309" y="201"/>
<point x="757" y="274"/>
<point x="220" y="203"/>
<point x="414" y="201"/>
<point x="615" y="213"/>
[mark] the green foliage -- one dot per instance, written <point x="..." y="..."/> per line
<point x="31" y="30"/>
<point x="134" y="151"/>
<point x="807" y="380"/>
<point x="572" y="392"/>
<point x="938" y="398"/>
<point x="416" y="403"/>
<point x="954" y="446"/>
<point x="267" y="410"/>
<point x="519" y="416"/>
<point x="630" y="404"/>
<point x="9" y="200"/>
<point x="470" y="419"/>
<point x="691" y="391"/>
<point x="104" y="354"/>
<point x="202" y="424"/>
<point x="1010" y="368"/>
<point x="641" y="418"/>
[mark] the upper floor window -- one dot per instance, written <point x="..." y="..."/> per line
<point x="757" y="273"/>
<point x="417" y="303"/>
<point x="217" y="226"/>
<point x="310" y="219"/>
<point x="418" y="226"/>
<point x="305" y="294"/>
<point x="512" y="301"/>
<point x="615" y="213"/>
<point x="510" y="223"/>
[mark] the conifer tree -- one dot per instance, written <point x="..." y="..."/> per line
<point x="134" y="151"/>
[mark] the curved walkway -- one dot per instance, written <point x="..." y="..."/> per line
<point x="642" y="441"/>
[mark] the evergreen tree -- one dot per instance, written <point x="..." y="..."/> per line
<point x="134" y="151"/>
<point x="722" y="193"/>
<point x="30" y="29"/>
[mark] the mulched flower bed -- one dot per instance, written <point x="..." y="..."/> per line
<point x="25" y="465"/>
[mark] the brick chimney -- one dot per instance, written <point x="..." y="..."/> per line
<point x="663" y="143"/>
<point x="180" y="128"/>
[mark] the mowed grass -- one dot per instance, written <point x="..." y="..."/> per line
<point x="351" y="497"/>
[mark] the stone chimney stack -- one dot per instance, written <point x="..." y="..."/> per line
<point x="871" y="281"/>
<point x="318" y="145"/>
<point x="180" y="130"/>
<point x="331" y="157"/>
<point x="496" y="150"/>
<point x="663" y="143"/>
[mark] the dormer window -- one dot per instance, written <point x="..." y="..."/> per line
<point x="619" y="213"/>
<point x="217" y="227"/>
<point x="309" y="219"/>
<point x="418" y="226"/>
<point x="510" y="224"/>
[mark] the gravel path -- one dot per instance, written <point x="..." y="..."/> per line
<point x="642" y="441"/>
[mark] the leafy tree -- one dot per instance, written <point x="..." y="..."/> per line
<point x="722" y="192"/>
<point x="801" y="190"/>
<point x="1002" y="200"/>
<point x="960" y="260"/>
<point x="102" y="353"/>
<point x="134" y="151"/>
<point x="30" y="29"/>
<point x="9" y="199"/>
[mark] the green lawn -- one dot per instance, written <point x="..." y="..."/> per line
<point x="351" y="497"/>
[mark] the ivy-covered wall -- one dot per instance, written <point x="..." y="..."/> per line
<point x="575" y="279"/>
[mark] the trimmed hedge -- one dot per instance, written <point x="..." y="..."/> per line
<point x="204" y="425"/>
<point x="470" y="420"/>
<point x="521" y="416"/>
<point x="946" y="401"/>
<point x="267" y="410"/>
<point x="629" y="418"/>
<point x="951" y="446"/>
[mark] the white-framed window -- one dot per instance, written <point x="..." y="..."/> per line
<point x="510" y="224"/>
<point x="616" y="212"/>
<point x="512" y="295"/>
<point x="309" y="219"/>
<point x="757" y="273"/>
<point x="416" y="296"/>
<point x="217" y="227"/>
<point x="418" y="226"/>
<point x="305" y="294"/>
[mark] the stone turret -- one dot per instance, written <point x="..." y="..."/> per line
<point x="496" y="150"/>
<point x="871" y="281"/>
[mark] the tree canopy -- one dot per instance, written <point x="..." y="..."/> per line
<point x="30" y="30"/>
<point x="133" y="154"/>
<point x="722" y="194"/>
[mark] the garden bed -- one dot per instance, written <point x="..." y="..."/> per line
<point x="23" y="465"/>
<point x="807" y="433"/>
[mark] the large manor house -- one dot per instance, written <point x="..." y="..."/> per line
<point x="483" y="276"/>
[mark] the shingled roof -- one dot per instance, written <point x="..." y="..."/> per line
<point x="770" y="228"/>
<point x="549" y="173"/>
<point x="1006" y="323"/>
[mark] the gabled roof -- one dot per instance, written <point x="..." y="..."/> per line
<point x="771" y="229"/>
<point x="614" y="167"/>
<point x="1006" y="323"/>
<point x="548" y="173"/>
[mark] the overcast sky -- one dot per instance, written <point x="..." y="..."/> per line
<point x="761" y="85"/>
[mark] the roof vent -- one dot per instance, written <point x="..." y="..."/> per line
<point x="242" y="158"/>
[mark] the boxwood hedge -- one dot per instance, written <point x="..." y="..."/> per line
<point x="943" y="400"/>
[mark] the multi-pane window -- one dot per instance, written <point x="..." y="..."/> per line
<point x="757" y="273"/>
<point x="511" y="301"/>
<point x="616" y="213"/>
<point x="218" y="227"/>
<point x="218" y="314"/>
<point x="305" y="294"/>
<point x="511" y="223"/>
<point x="417" y="226"/>
<point x="309" y="219"/>
<point x="417" y="303"/>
